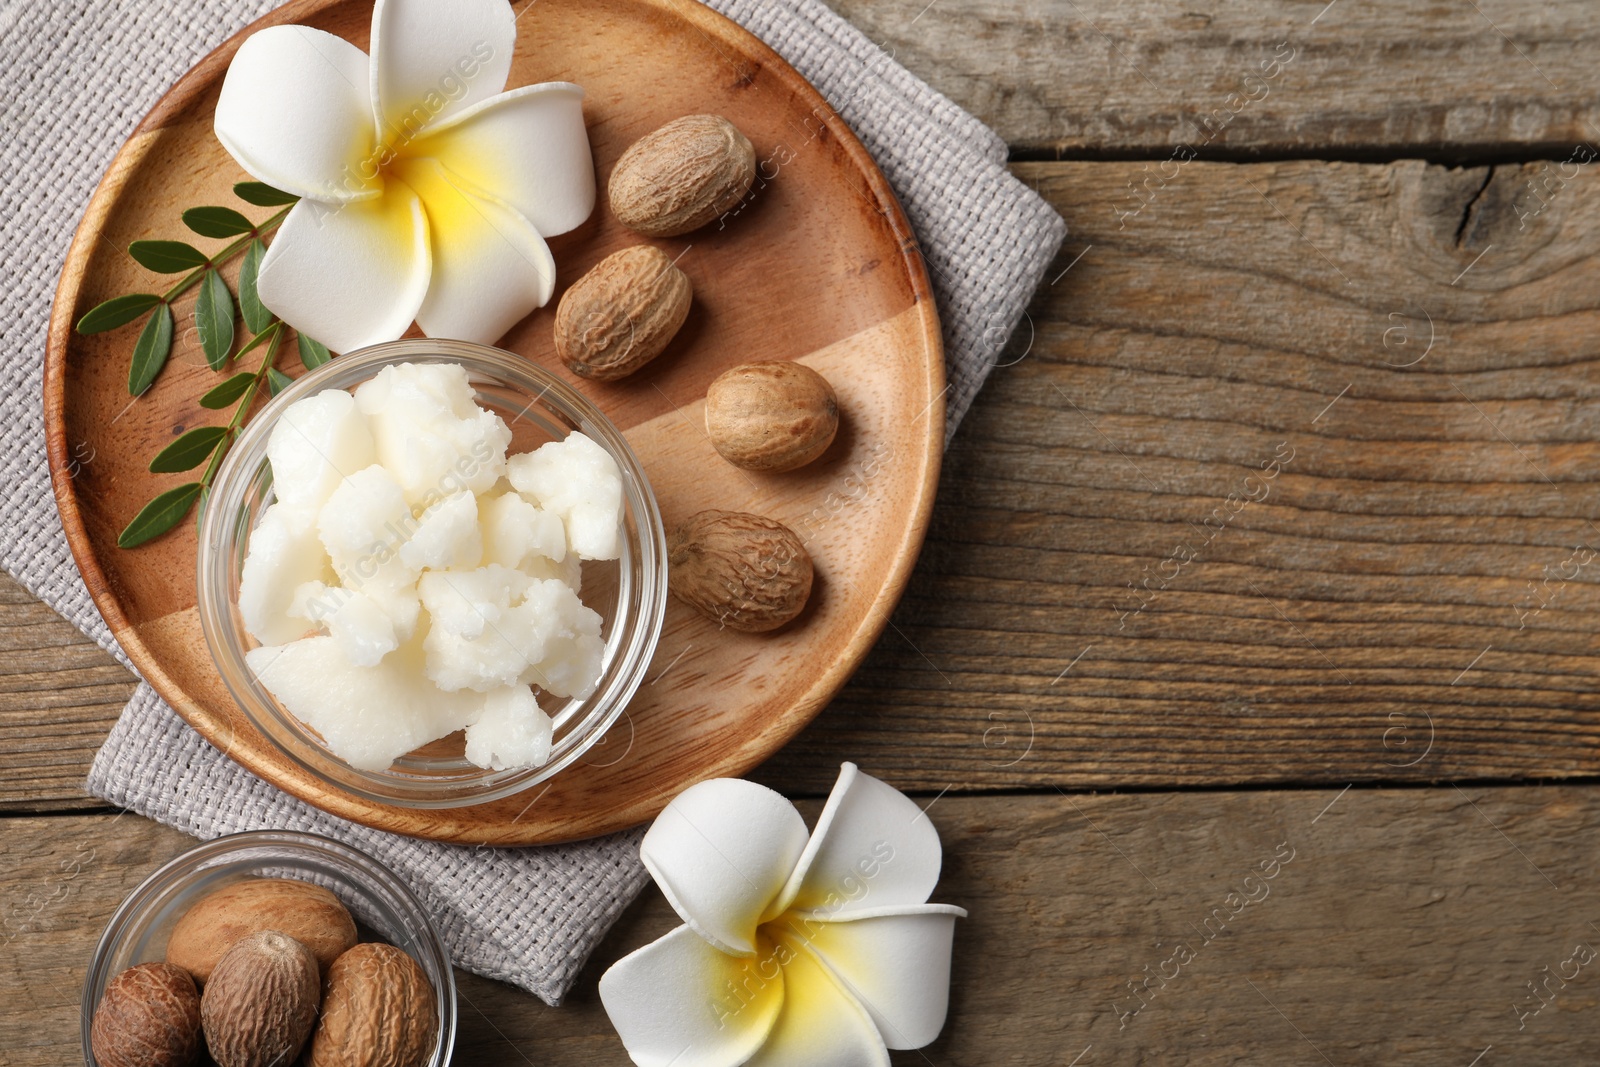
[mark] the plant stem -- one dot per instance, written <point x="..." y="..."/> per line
<point x="276" y="329"/>
<point x="233" y="249"/>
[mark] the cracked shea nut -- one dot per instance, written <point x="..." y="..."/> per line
<point x="741" y="571"/>
<point x="771" y="416"/>
<point x="682" y="176"/>
<point x="308" y="913"/>
<point x="378" y="1011"/>
<point x="261" y="1001"/>
<point x="149" y="1016"/>
<point x="622" y="314"/>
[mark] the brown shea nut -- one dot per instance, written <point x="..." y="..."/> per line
<point x="378" y="1011"/>
<point x="308" y="913"/>
<point x="261" y="1002"/>
<point x="771" y="416"/>
<point x="682" y="176"/>
<point x="741" y="571"/>
<point x="148" y="1017"/>
<point x="622" y="314"/>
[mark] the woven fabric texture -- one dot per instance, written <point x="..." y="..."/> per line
<point x="81" y="74"/>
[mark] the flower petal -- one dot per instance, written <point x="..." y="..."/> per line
<point x="872" y="847"/>
<point x="679" y="1001"/>
<point x="490" y="266"/>
<point x="822" y="1024"/>
<point x="352" y="275"/>
<point x="721" y="852"/>
<point x="434" y="58"/>
<point x="296" y="112"/>
<point x="897" y="963"/>
<point x="528" y="148"/>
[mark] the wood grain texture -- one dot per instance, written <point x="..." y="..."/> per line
<point x="840" y="286"/>
<point x="59" y="694"/>
<point x="1412" y="594"/>
<point x="1363" y="79"/>
<point x="1399" y="926"/>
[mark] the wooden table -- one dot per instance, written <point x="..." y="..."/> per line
<point x="1269" y="537"/>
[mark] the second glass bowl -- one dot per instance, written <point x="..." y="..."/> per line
<point x="377" y="899"/>
<point x="629" y="593"/>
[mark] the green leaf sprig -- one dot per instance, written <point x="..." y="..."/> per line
<point x="215" y="314"/>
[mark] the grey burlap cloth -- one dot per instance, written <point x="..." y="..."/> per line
<point x="80" y="73"/>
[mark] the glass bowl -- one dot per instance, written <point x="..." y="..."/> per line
<point x="382" y="906"/>
<point x="629" y="593"/>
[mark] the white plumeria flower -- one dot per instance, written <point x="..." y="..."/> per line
<point x="822" y="952"/>
<point x="427" y="191"/>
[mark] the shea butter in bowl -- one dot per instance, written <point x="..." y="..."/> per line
<point x="433" y="609"/>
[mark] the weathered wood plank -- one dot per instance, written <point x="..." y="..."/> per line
<point x="1400" y="926"/>
<point x="1408" y="589"/>
<point x="1349" y="79"/>
<point x="59" y="694"/>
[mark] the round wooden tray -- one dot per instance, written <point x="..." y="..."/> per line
<point x="819" y="266"/>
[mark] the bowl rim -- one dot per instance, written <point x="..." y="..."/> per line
<point x="135" y="903"/>
<point x="636" y="637"/>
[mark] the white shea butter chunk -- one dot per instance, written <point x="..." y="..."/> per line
<point x="363" y="526"/>
<point x="448" y="535"/>
<point x="530" y="642"/>
<point x="513" y="731"/>
<point x="310" y="602"/>
<point x="568" y="664"/>
<point x="281" y="558"/>
<point x="400" y="602"/>
<point x="412" y="581"/>
<point x="514" y="530"/>
<point x="364" y="630"/>
<point x="313" y="445"/>
<point x="466" y="603"/>
<point x="579" y="481"/>
<point x="569" y="571"/>
<point x="429" y="432"/>
<point x="369" y="716"/>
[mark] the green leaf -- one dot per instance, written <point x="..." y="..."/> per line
<point x="277" y="381"/>
<point x="262" y="195"/>
<point x="118" y="311"/>
<point x="213" y="317"/>
<point x="313" y="354"/>
<point x="216" y="222"/>
<point x="200" y="509"/>
<point x="167" y="257"/>
<point x="255" y="313"/>
<point x="150" y="351"/>
<point x="188" y="451"/>
<point x="159" y="516"/>
<point x="222" y="395"/>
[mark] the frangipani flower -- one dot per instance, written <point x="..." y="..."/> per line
<point x="427" y="192"/>
<point x="795" y="952"/>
